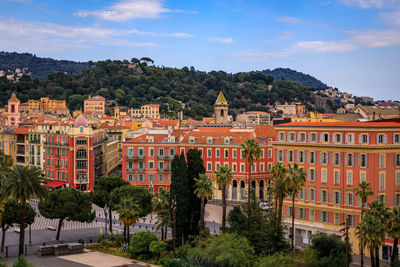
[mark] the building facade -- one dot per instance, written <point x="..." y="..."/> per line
<point x="150" y="111"/>
<point x="95" y="105"/>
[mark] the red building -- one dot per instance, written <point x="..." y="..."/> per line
<point x="336" y="157"/>
<point x="147" y="159"/>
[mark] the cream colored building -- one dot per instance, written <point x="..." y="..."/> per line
<point x="95" y="104"/>
<point x="254" y="118"/>
<point x="150" y="111"/>
<point x="112" y="159"/>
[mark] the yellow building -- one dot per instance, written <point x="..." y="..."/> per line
<point x="316" y="117"/>
<point x="33" y="105"/>
<point x="151" y="111"/>
<point x="112" y="159"/>
<point x="116" y="133"/>
<point x="136" y="125"/>
<point x="47" y="103"/>
<point x="95" y="104"/>
<point x="8" y="142"/>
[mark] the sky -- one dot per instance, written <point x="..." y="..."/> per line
<point x="353" y="45"/>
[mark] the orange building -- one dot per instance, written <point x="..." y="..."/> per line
<point x="95" y="104"/>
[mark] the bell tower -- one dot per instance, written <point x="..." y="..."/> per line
<point x="13" y="110"/>
<point x="221" y="109"/>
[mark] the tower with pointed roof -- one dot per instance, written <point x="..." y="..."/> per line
<point x="221" y="109"/>
<point x="13" y="110"/>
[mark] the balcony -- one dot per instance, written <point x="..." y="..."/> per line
<point x="81" y="167"/>
<point x="21" y="152"/>
<point x="161" y="157"/>
<point x="57" y="166"/>
<point x="36" y="141"/>
<point x="81" y="157"/>
<point x="163" y="169"/>
<point x="141" y="169"/>
<point x="132" y="157"/>
<point x="129" y="169"/>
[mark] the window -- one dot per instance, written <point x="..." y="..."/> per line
<point x="290" y="156"/>
<point x="364" y="139"/>
<point x="363" y="176"/>
<point x="312" y="175"/>
<point x="301" y="156"/>
<point x="141" y="152"/>
<point x="140" y="177"/>
<point x="161" y="178"/>
<point x="269" y="153"/>
<point x="217" y="153"/>
<point x="81" y="154"/>
<point x="349" y="138"/>
<point x="397" y="178"/>
<point x="337" y="216"/>
<point x="161" y="166"/>
<point x="226" y="152"/>
<point x="324" y="157"/>
<point x="324" y="196"/>
<point x="130" y="178"/>
<point x="301" y="213"/>
<point x="349" y="178"/>
<point x="313" y="137"/>
<point x="172" y="152"/>
<point x="209" y="152"/>
<point x="151" y="152"/>
<point x="336" y="176"/>
<point x="241" y="167"/>
<point x="382" y="181"/>
<point x="324" y="216"/>
<point x="349" y="159"/>
<point x="209" y="166"/>
<point x="336" y="197"/>
<point x="381" y="160"/>
<point x="161" y="152"/>
<point x="312" y="215"/>
<point x="382" y="198"/>
<point x="302" y="137"/>
<point x="292" y="137"/>
<point x="217" y="166"/>
<point x="381" y="139"/>
<point x="281" y="136"/>
<point x="396" y="138"/>
<point x="242" y="154"/>
<point x="262" y="153"/>
<point x="129" y="166"/>
<point x="311" y="157"/>
<point x="234" y="167"/>
<point x="337" y="138"/>
<point x="129" y="152"/>
<point x="150" y="177"/>
<point x="362" y="160"/>
<point x="81" y="141"/>
<point x="81" y="164"/>
<point x="281" y="155"/>
<point x="349" y="201"/>
<point x="397" y="199"/>
<point x="397" y="160"/>
<point x="323" y="176"/>
<point x="261" y="167"/>
<point x="302" y="194"/>
<point x="151" y="165"/>
<point x="350" y="220"/>
<point x="325" y="138"/>
<point x="311" y="195"/>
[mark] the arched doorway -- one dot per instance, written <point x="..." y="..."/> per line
<point x="253" y="188"/>
<point x="234" y="190"/>
<point x="261" y="190"/>
<point x="242" y="190"/>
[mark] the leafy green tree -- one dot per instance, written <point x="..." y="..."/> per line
<point x="22" y="262"/>
<point x="204" y="189"/>
<point x="67" y="204"/>
<point x="140" y="244"/>
<point x="251" y="151"/>
<point x="24" y="183"/>
<point x="223" y="177"/>
<point x="102" y="192"/>
<point x="158" y="248"/>
<point x="395" y="232"/>
<point x="296" y="180"/>
<point x="180" y="188"/>
<point x="12" y="216"/>
<point x="131" y="203"/>
<point x="331" y="250"/>
<point x="195" y="166"/>
<point x="363" y="191"/>
<point x="278" y="189"/>
<point x="161" y="207"/>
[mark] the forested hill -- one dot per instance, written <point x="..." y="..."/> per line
<point x="138" y="82"/>
<point x="292" y="75"/>
<point x="38" y="66"/>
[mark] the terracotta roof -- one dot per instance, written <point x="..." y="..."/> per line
<point x="265" y="131"/>
<point x="96" y="98"/>
<point x="158" y="138"/>
<point x="166" y="122"/>
<point x="22" y="130"/>
<point x="13" y="98"/>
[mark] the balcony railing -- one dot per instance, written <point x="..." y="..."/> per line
<point x="161" y="157"/>
<point x="129" y="169"/>
<point x="34" y="141"/>
<point x="132" y="157"/>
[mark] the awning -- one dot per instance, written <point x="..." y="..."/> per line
<point x="55" y="184"/>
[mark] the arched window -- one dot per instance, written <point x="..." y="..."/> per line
<point x="81" y="154"/>
<point x="81" y="129"/>
<point x="222" y="112"/>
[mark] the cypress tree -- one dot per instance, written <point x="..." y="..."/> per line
<point x="195" y="167"/>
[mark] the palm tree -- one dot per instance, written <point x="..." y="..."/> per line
<point x="162" y="207"/>
<point x="252" y="151"/>
<point x="24" y="183"/>
<point x="395" y="232"/>
<point x="379" y="211"/>
<point x="364" y="191"/>
<point x="296" y="180"/>
<point x="278" y="190"/>
<point x="224" y="178"/>
<point x="129" y="213"/>
<point x="370" y="233"/>
<point x="204" y="189"/>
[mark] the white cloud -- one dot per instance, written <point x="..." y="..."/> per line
<point x="288" y="19"/>
<point x="221" y="40"/>
<point x="322" y="46"/>
<point x="286" y="35"/>
<point x="365" y="4"/>
<point x="39" y="36"/>
<point x="130" y="9"/>
<point x="391" y="18"/>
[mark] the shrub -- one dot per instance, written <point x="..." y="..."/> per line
<point x="101" y="237"/>
<point x="22" y="262"/>
<point x="172" y="262"/>
<point x="276" y="259"/>
<point x="158" y="248"/>
<point x="140" y="244"/>
<point x="331" y="251"/>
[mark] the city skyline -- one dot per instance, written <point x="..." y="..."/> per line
<point x="349" y="44"/>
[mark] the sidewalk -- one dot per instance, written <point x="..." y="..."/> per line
<point x="367" y="262"/>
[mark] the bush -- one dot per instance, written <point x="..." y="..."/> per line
<point x="276" y="259"/>
<point x="176" y="263"/>
<point x="140" y="244"/>
<point x="22" y="262"/>
<point x="101" y="237"/>
<point x="331" y="251"/>
<point x="158" y="248"/>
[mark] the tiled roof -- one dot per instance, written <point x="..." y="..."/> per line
<point x="265" y="131"/>
<point x="353" y="124"/>
<point x="13" y="98"/>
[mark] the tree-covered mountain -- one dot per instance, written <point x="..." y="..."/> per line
<point x="38" y="66"/>
<point x="292" y="75"/>
<point x="138" y="82"/>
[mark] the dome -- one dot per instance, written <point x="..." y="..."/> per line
<point x="80" y="121"/>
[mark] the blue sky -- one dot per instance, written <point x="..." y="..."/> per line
<point x="353" y="45"/>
